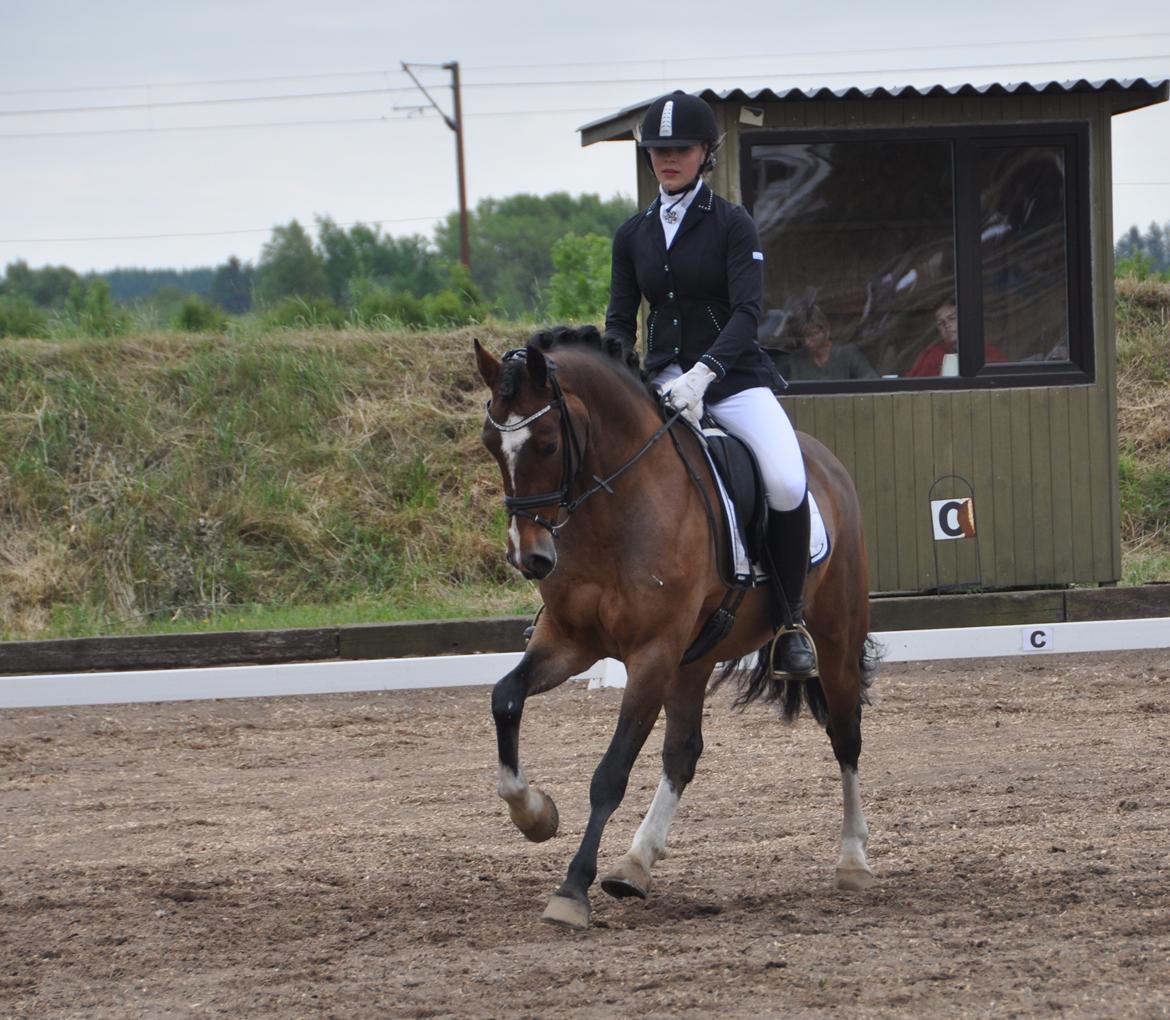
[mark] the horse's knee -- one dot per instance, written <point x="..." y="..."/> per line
<point x="508" y="697"/>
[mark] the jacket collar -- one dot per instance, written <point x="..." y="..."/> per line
<point x="703" y="201"/>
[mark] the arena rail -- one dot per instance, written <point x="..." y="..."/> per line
<point x="333" y="677"/>
<point x="506" y="634"/>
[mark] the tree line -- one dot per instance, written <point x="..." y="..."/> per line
<point x="530" y="256"/>
<point x="1144" y="254"/>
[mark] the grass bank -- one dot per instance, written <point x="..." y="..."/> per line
<point x="312" y="478"/>
<point x="179" y="481"/>
<point x="1143" y="363"/>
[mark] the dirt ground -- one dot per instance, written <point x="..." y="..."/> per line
<point x="347" y="856"/>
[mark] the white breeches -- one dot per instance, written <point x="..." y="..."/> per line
<point x="756" y="417"/>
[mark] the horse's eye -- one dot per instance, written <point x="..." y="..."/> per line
<point x="549" y="448"/>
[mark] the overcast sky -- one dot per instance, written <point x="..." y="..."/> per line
<point x="166" y="167"/>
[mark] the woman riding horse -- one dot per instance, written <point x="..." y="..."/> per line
<point x="697" y="260"/>
<point x="609" y="509"/>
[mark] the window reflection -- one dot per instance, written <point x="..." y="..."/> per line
<point x="1023" y="253"/>
<point x="861" y="236"/>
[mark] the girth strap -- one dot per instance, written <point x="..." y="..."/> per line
<point x="717" y="627"/>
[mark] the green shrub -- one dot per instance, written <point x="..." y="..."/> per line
<point x="448" y="308"/>
<point x="198" y="316"/>
<point x="305" y="313"/>
<point x="579" y="288"/>
<point x="378" y="306"/>
<point x="20" y="317"/>
<point x="92" y="312"/>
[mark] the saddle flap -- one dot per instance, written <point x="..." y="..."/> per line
<point x="736" y="467"/>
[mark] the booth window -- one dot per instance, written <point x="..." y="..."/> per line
<point x="914" y="259"/>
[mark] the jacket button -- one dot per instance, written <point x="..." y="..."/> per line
<point x="671" y="295"/>
<point x="676" y="322"/>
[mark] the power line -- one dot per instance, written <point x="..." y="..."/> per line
<point x="201" y="233"/>
<point x="342" y="121"/>
<point x="197" y="83"/>
<point x="933" y="47"/>
<point x="835" y="73"/>
<point x="339" y="121"/>
<point x="545" y="83"/>
<point x="202" y="102"/>
<point x="640" y="62"/>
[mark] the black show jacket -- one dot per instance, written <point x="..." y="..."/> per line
<point x="704" y="293"/>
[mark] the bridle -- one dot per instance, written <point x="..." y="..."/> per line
<point x="571" y="458"/>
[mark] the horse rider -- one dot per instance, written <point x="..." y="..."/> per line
<point x="697" y="260"/>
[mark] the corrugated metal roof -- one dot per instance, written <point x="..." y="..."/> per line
<point x="1143" y="90"/>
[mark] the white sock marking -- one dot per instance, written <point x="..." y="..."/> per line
<point x="854" y="831"/>
<point x="513" y="787"/>
<point x="650" y="840"/>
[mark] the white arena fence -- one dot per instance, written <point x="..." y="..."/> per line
<point x="346" y="676"/>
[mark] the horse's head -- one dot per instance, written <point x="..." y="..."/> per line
<point x="530" y="431"/>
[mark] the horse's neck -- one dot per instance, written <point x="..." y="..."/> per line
<point x="655" y="491"/>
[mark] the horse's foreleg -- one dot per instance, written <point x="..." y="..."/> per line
<point x="640" y="707"/>
<point x="682" y="745"/>
<point x="532" y="811"/>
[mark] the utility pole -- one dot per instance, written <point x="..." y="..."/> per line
<point x="456" y="125"/>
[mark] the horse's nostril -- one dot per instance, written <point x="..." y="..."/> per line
<point x="538" y="566"/>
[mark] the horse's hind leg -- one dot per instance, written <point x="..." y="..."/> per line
<point x="543" y="667"/>
<point x="682" y="745"/>
<point x="841" y="683"/>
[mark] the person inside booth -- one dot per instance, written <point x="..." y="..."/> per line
<point x="817" y="357"/>
<point x="941" y="358"/>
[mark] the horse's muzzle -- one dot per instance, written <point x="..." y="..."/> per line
<point x="536" y="566"/>
<point x="534" y="555"/>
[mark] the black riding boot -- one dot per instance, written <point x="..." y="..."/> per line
<point x="788" y="534"/>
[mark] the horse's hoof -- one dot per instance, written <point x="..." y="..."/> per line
<point x="854" y="879"/>
<point x="627" y="878"/>
<point x="566" y="912"/>
<point x="539" y="825"/>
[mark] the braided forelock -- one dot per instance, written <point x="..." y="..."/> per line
<point x="512" y="377"/>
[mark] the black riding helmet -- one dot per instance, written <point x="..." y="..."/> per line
<point x="676" y="120"/>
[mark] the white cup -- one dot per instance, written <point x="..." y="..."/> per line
<point x="950" y="365"/>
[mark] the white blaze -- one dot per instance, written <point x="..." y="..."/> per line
<point x="510" y="445"/>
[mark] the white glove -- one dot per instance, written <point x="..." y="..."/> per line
<point x="685" y="394"/>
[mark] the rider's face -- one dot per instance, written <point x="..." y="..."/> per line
<point x="676" y="167"/>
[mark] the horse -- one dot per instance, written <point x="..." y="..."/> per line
<point x="613" y="519"/>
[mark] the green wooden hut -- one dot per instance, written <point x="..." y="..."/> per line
<point x="973" y="222"/>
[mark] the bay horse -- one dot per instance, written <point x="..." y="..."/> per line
<point x="607" y="511"/>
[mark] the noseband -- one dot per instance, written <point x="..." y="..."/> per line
<point x="571" y="458"/>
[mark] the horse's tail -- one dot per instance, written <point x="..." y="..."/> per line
<point x="759" y="683"/>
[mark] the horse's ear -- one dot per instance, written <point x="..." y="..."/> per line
<point x="537" y="367"/>
<point x="489" y="365"/>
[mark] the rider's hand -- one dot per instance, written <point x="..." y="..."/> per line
<point x="685" y="394"/>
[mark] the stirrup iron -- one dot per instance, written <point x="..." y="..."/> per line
<point x="796" y="628"/>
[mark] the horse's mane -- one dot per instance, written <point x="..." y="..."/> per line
<point x="580" y="337"/>
<point x="588" y="337"/>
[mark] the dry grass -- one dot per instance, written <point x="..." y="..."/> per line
<point x="170" y="480"/>
<point x="1143" y="363"/>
